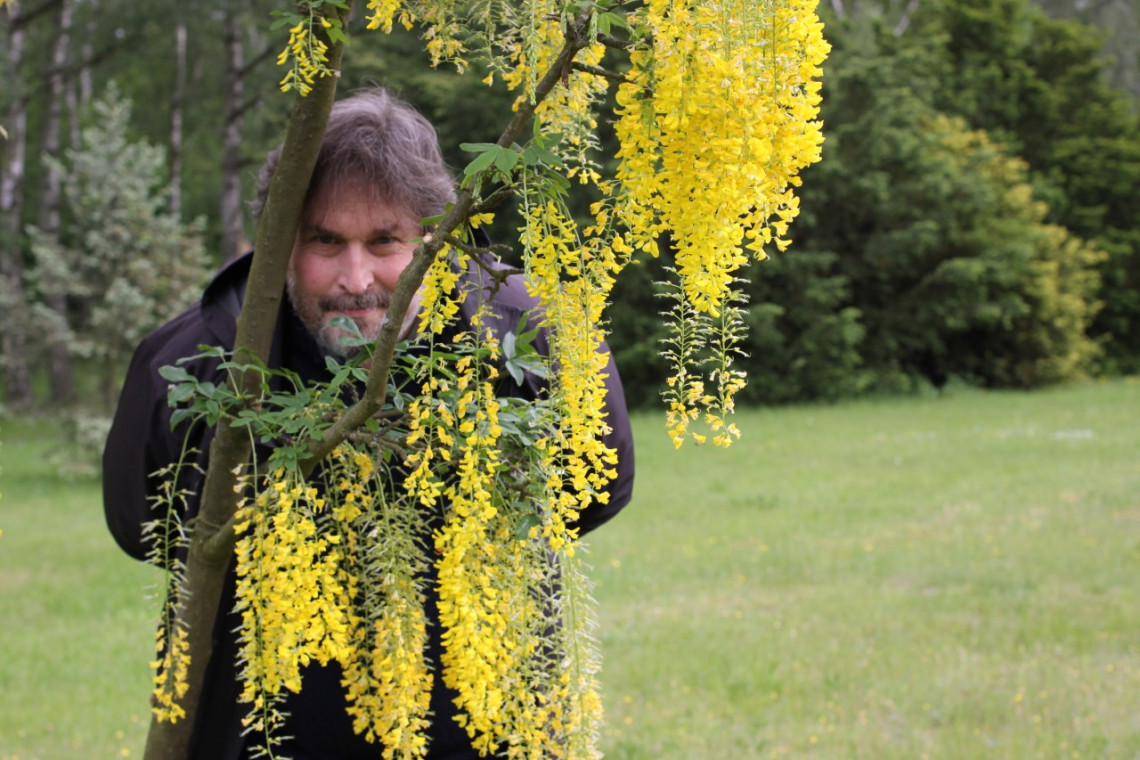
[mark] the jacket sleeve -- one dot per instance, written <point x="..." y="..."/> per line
<point x="509" y="302"/>
<point x="620" y="439"/>
<point x="139" y="444"/>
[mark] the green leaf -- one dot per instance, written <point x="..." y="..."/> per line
<point x="180" y="393"/>
<point x="526" y="522"/>
<point x="477" y="147"/>
<point x="481" y="162"/>
<point x="179" y="416"/>
<point x="516" y="371"/>
<point x="175" y="374"/>
<point x="506" y="159"/>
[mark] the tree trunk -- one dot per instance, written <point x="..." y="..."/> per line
<point x="176" y="112"/>
<point x="86" y="88"/>
<point x="233" y="230"/>
<point x="60" y="374"/>
<point x="13" y="303"/>
<point x="211" y="549"/>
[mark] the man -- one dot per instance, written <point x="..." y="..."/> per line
<point x="379" y="172"/>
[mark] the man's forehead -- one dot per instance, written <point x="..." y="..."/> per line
<point x="333" y="203"/>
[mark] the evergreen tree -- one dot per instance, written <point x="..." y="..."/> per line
<point x="124" y="262"/>
<point x="940" y="237"/>
<point x="1038" y="85"/>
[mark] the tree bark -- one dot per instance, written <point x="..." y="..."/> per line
<point x="13" y="302"/>
<point x="86" y="52"/>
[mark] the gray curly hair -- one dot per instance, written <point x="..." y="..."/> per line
<point x="383" y="143"/>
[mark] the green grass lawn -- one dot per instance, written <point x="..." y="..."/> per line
<point x="938" y="577"/>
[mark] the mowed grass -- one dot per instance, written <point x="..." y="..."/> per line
<point x="75" y="617"/>
<point x="940" y="577"/>
<point x="950" y="577"/>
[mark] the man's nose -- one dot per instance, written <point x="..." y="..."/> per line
<point x="356" y="274"/>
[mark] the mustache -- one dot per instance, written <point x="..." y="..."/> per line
<point x="372" y="299"/>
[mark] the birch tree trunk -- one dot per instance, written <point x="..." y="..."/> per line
<point x="13" y="303"/>
<point x="60" y="374"/>
<point x="233" y="231"/>
<point x="176" y="112"/>
<point x="86" y="87"/>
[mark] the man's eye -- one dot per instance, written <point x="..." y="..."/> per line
<point x="325" y="240"/>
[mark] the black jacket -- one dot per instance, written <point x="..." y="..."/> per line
<point x="141" y="442"/>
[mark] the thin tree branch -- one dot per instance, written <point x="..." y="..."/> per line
<point x="473" y="250"/>
<point x="92" y="60"/>
<point x="616" y="43"/>
<point x="494" y="200"/>
<point x="240" y="111"/>
<point x="255" y="61"/>
<point x="598" y="71"/>
<point x="23" y="19"/>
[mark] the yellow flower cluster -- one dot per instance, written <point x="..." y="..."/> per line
<point x="578" y="677"/>
<point x="170" y="675"/>
<point x="572" y="279"/>
<point x="477" y="652"/>
<point x="306" y="55"/>
<point x="585" y="463"/>
<point x="499" y="605"/>
<point x="336" y="578"/>
<point x="293" y="595"/>
<point x="439" y="296"/>
<point x="166" y="538"/>
<point x="569" y="109"/>
<point x="386" y="679"/>
<point x="715" y="124"/>
<point x="443" y="30"/>
<point x="381" y="14"/>
<point x="702" y="341"/>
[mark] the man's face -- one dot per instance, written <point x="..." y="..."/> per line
<point x="350" y="249"/>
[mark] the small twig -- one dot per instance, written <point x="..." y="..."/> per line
<point x="255" y="61"/>
<point x="616" y="43"/>
<point x="370" y="439"/>
<point x="494" y="200"/>
<point x="474" y="250"/>
<point x="586" y="68"/>
<point x="498" y="275"/>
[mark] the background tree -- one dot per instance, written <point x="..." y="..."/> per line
<point x="125" y="263"/>
<point x="14" y="120"/>
<point x="1039" y="87"/>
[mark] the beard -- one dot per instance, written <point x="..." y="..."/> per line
<point x="315" y="314"/>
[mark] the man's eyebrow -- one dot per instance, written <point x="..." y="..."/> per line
<point x="388" y="230"/>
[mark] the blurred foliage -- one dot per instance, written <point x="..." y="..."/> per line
<point x="124" y="263"/>
<point x="922" y="251"/>
<point x="1038" y="85"/>
<point x="973" y="217"/>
